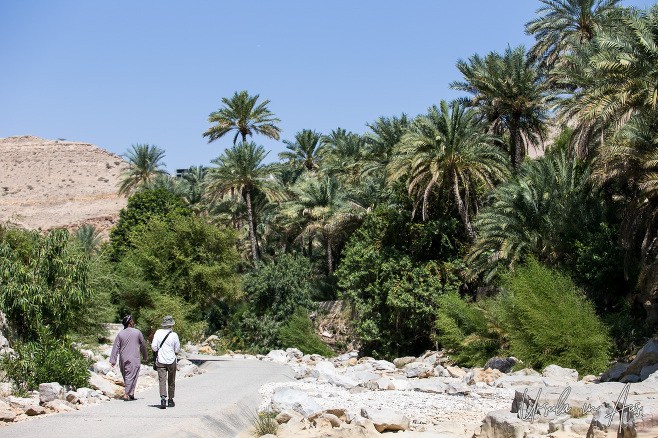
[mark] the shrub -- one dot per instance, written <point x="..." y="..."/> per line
<point x="47" y="359"/>
<point x="299" y="333"/>
<point x="468" y="330"/>
<point x="549" y="321"/>
<point x="187" y="326"/>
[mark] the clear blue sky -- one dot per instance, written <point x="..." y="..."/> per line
<point x="116" y="73"/>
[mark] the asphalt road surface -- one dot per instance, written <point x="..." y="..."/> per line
<point x="218" y="403"/>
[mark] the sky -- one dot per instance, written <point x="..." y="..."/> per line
<point x="123" y="72"/>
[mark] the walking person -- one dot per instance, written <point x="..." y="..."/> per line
<point x="166" y="344"/>
<point x="128" y="345"/>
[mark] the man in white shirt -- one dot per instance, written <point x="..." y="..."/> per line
<point x="166" y="344"/>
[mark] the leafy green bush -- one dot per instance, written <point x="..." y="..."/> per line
<point x="299" y="333"/>
<point x="187" y="326"/>
<point x="43" y="281"/>
<point x="549" y="321"/>
<point x="45" y="360"/>
<point x="468" y="330"/>
<point x="393" y="286"/>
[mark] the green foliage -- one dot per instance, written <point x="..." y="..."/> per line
<point x="141" y="207"/>
<point x="468" y="330"/>
<point x="43" y="281"/>
<point x="89" y="237"/>
<point x="298" y="333"/>
<point x="185" y="256"/>
<point x="188" y="327"/>
<point x="389" y="275"/>
<point x="279" y="288"/>
<point x="43" y="360"/>
<point x="550" y="322"/>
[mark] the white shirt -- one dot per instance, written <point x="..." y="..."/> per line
<point x="171" y="346"/>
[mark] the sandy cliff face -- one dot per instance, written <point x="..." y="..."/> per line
<point x="48" y="183"/>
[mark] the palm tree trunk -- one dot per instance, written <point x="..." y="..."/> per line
<point x="330" y="261"/>
<point x="463" y="210"/>
<point x="252" y="228"/>
<point x="515" y="147"/>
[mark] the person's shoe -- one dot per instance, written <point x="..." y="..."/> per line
<point x="132" y="397"/>
<point x="171" y="403"/>
<point x="163" y="403"/>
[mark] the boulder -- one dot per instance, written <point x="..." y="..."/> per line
<point x="323" y="370"/>
<point x="402" y="361"/>
<point x="386" y="419"/>
<point x="105" y="386"/>
<point x="50" y="391"/>
<point x="478" y="375"/>
<point x="502" y="423"/>
<point x="302" y="372"/>
<point x="188" y="370"/>
<point x="292" y="399"/>
<point x="648" y="370"/>
<point x="456" y="372"/>
<point x="60" y="406"/>
<point x="453" y="388"/>
<point x="362" y="377"/>
<point x="346" y="356"/>
<point x="384" y="383"/>
<point x="285" y="416"/>
<point x="7" y="416"/>
<point x="101" y="367"/>
<point x="429" y="385"/>
<point x="278" y="356"/>
<point x="615" y="372"/>
<point x="5" y="389"/>
<point x="33" y="410"/>
<point x="559" y="373"/>
<point x="647" y="356"/>
<point x="344" y="381"/>
<point x="422" y="370"/>
<point x="4" y="406"/>
<point x="401" y="384"/>
<point x="502" y="364"/>
<point x="333" y="420"/>
<point x="206" y="349"/>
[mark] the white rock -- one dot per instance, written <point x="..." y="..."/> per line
<point x="456" y="372"/>
<point x="50" y="391"/>
<point x="422" y="370"/>
<point x="344" y="381"/>
<point x="557" y="372"/>
<point x="294" y="353"/>
<point x="102" y="367"/>
<point x="383" y="365"/>
<point x="384" y="383"/>
<point x="323" y="370"/>
<point x="278" y="356"/>
<point x="302" y="372"/>
<point x="5" y="389"/>
<point x="299" y="401"/>
<point x="386" y="419"/>
<point x="401" y="384"/>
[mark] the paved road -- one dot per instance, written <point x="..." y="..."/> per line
<point x="218" y="403"/>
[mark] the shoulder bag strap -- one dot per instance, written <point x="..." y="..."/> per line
<point x="158" y="351"/>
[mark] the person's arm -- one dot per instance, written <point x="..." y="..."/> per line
<point x="115" y="351"/>
<point x="154" y="343"/>
<point x="142" y="345"/>
<point x="177" y="345"/>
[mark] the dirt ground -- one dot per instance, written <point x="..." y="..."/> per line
<point x="48" y="184"/>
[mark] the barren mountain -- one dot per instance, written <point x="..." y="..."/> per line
<point x="47" y="183"/>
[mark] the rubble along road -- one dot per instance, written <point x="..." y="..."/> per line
<point x="218" y="403"/>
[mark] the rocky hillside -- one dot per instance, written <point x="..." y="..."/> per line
<point x="49" y="183"/>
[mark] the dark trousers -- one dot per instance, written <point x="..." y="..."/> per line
<point x="167" y="378"/>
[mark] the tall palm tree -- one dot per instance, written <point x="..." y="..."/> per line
<point x="321" y="204"/>
<point x="343" y="152"/>
<point x="240" y="168"/>
<point x="167" y="182"/>
<point x="563" y="24"/>
<point x="242" y="115"/>
<point x="89" y="237"/>
<point x="194" y="187"/>
<point x="305" y="149"/>
<point x="512" y="97"/>
<point x="385" y="134"/>
<point x="447" y="147"/>
<point x="144" y="164"/>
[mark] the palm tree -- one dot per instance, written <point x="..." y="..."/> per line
<point x="511" y="96"/>
<point x="194" y="187"/>
<point x="385" y="134"/>
<point x="321" y="204"/>
<point x="144" y="164"/>
<point x="563" y="24"/>
<point x="547" y="204"/>
<point x="305" y="149"/>
<point x="240" y="168"/>
<point x="343" y="152"/>
<point x="168" y="183"/>
<point x="89" y="237"/>
<point x="447" y="148"/>
<point x="242" y="115"/>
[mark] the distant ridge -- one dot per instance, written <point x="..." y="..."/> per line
<point x="51" y="183"/>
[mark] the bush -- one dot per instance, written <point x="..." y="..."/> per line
<point x="299" y="333"/>
<point x="187" y="326"/>
<point x="43" y="281"/>
<point x="549" y="321"/>
<point x="468" y="330"/>
<point x="45" y="360"/>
